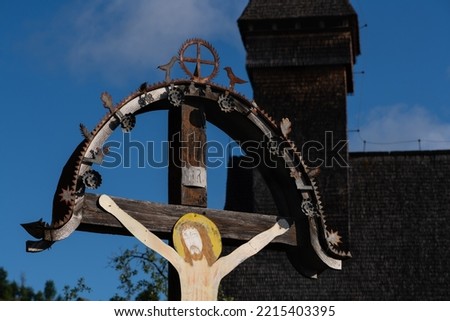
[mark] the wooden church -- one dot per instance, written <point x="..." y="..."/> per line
<point x="392" y="208"/>
<point x="312" y="221"/>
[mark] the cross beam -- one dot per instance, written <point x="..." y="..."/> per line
<point x="160" y="219"/>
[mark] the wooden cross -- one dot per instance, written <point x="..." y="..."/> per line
<point x="190" y="103"/>
<point x="195" y="256"/>
<point x="187" y="189"/>
<point x="187" y="193"/>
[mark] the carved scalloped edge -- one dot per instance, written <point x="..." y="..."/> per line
<point x="317" y="197"/>
<point x="58" y="220"/>
<point x="321" y="220"/>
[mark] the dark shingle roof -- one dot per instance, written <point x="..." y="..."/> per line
<point x="283" y="9"/>
<point x="400" y="222"/>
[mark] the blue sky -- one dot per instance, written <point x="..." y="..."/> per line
<point x="56" y="59"/>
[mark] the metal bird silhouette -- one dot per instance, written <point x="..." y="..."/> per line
<point x="143" y="87"/>
<point x="233" y="78"/>
<point x="167" y="67"/>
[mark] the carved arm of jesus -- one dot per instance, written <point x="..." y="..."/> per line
<point x="253" y="246"/>
<point x="141" y="232"/>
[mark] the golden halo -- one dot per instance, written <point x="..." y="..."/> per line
<point x="197" y="219"/>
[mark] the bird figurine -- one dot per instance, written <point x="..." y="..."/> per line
<point x="143" y="87"/>
<point x="233" y="78"/>
<point x="167" y="67"/>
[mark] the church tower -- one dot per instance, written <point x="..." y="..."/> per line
<point x="300" y="56"/>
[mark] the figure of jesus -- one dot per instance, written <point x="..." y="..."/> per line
<point x="197" y="245"/>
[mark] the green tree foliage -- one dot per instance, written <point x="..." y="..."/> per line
<point x="74" y="293"/>
<point x="6" y="291"/>
<point x="12" y="291"/>
<point x="142" y="275"/>
<point x="49" y="291"/>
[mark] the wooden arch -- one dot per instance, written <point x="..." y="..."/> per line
<point x="295" y="193"/>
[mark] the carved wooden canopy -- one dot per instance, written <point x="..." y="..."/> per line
<point x="191" y="102"/>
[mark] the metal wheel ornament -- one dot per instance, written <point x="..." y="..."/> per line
<point x="200" y="46"/>
<point x="226" y="103"/>
<point x="128" y="122"/>
<point x="91" y="179"/>
<point x="175" y="96"/>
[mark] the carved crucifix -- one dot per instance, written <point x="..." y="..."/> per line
<point x="197" y="248"/>
<point x="312" y="246"/>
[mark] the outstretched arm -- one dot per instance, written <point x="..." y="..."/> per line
<point x="140" y="231"/>
<point x="256" y="244"/>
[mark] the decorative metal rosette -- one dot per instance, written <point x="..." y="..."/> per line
<point x="127" y="122"/>
<point x="273" y="146"/>
<point x="145" y="99"/>
<point x="226" y="103"/>
<point x="176" y="96"/>
<point x="309" y="209"/>
<point x="91" y="179"/>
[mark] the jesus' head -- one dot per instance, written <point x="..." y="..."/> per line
<point x="193" y="242"/>
<point x="192" y="238"/>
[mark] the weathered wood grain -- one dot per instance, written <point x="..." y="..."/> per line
<point x="187" y="136"/>
<point x="160" y="219"/>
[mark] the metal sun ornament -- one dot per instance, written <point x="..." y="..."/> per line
<point x="201" y="49"/>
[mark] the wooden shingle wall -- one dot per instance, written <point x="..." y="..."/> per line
<point x="399" y="236"/>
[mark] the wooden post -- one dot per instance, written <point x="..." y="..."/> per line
<point x="187" y="170"/>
